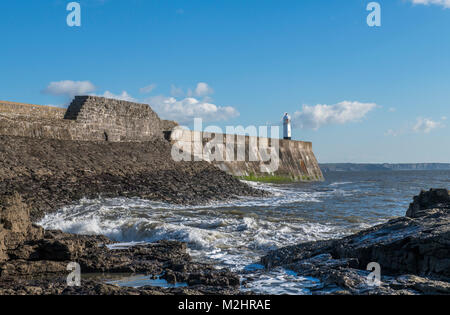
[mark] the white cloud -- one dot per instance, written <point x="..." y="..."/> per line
<point x="147" y="89"/>
<point x="185" y="110"/>
<point x="203" y="89"/>
<point x="426" y="125"/>
<point x="182" y="108"/>
<point x="392" y="110"/>
<point x="422" y="125"/>
<point x="124" y="96"/>
<point x="444" y="3"/>
<point x="314" y="117"/>
<point x="70" y="88"/>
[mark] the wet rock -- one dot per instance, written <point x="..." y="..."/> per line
<point x="17" y="269"/>
<point x="46" y="255"/>
<point x="417" y="246"/>
<point x="422" y="285"/>
<point x="46" y="175"/>
<point x="59" y="286"/>
<point x="171" y="277"/>
<point x="429" y="202"/>
<point x="150" y="259"/>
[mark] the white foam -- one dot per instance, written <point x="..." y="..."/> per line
<point x="233" y="239"/>
<point x="232" y="234"/>
<point x="340" y="183"/>
<point x="280" y="281"/>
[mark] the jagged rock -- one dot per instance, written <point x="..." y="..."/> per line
<point x="429" y="202"/>
<point x="168" y="258"/>
<point x="28" y="252"/>
<point x="17" y="269"/>
<point x="14" y="215"/>
<point x="422" y="285"/>
<point x="418" y="246"/>
<point x="90" y="287"/>
<point x="15" y="225"/>
<point x="3" y="254"/>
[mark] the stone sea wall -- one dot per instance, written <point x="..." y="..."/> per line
<point x="28" y="110"/>
<point x="245" y="156"/>
<point x="120" y="121"/>
<point x="92" y="118"/>
<point x="88" y="118"/>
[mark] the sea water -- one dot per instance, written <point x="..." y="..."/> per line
<point x="236" y="234"/>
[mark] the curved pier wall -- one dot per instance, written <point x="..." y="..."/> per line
<point x="92" y="118"/>
<point x="246" y="156"/>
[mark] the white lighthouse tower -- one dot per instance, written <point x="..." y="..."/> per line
<point x="287" y="127"/>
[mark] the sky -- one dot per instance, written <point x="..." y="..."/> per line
<point x="361" y="94"/>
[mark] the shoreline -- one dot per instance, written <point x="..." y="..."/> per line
<point x="50" y="174"/>
<point x="39" y="176"/>
<point x="411" y="253"/>
<point x="37" y="263"/>
<point x="337" y="263"/>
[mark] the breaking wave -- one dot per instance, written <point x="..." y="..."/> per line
<point x="237" y="233"/>
<point x="232" y="234"/>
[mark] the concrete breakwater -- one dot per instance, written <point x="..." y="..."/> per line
<point x="248" y="156"/>
<point x="92" y="118"/>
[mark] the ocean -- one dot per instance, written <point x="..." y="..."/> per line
<point x="236" y="234"/>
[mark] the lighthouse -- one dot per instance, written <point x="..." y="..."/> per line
<point x="287" y="127"/>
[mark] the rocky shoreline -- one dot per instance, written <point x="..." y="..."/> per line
<point x="413" y="253"/>
<point x="38" y="176"/>
<point x="49" y="174"/>
<point x="34" y="261"/>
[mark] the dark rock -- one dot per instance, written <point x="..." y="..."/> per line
<point x="59" y="287"/>
<point x="429" y="201"/>
<point x="417" y="246"/>
<point x="15" y="226"/>
<point x="49" y="174"/>
<point x="28" y="252"/>
<point x="422" y="285"/>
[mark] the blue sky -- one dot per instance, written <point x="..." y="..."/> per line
<point x="359" y="93"/>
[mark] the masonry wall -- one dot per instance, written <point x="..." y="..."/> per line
<point x="247" y="156"/>
<point x="91" y="118"/>
<point x="117" y="120"/>
<point x="88" y="118"/>
<point x="28" y="110"/>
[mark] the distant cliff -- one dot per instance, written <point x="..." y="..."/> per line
<point x="353" y="167"/>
